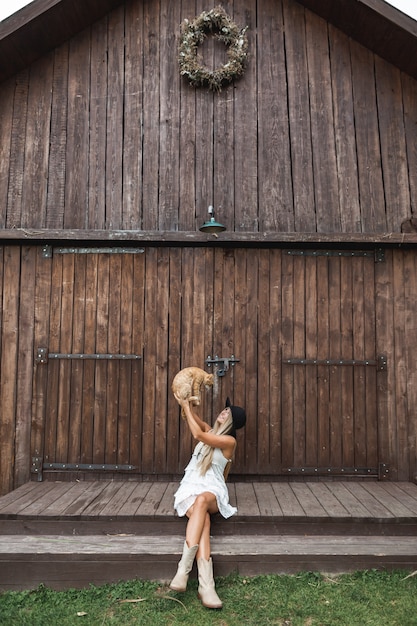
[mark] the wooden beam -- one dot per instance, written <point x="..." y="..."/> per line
<point x="183" y="238"/>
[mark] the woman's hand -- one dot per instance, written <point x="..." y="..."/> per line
<point x="195" y="423"/>
<point x="183" y="402"/>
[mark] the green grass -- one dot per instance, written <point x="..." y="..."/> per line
<point x="368" y="598"/>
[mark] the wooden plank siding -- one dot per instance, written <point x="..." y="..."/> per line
<point x="318" y="136"/>
<point x="175" y="306"/>
<point x="101" y="140"/>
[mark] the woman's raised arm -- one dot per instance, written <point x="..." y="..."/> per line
<point x="203" y="432"/>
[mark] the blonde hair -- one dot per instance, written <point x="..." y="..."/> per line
<point x="206" y="454"/>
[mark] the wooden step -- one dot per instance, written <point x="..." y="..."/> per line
<point x="264" y="508"/>
<point x="236" y="526"/>
<point x="62" y="562"/>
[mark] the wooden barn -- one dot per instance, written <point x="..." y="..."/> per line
<point x="303" y="305"/>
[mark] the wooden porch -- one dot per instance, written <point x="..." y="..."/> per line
<point x="73" y="534"/>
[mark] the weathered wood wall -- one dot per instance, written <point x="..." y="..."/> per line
<point x="174" y="307"/>
<point x="102" y="134"/>
<point x="318" y="136"/>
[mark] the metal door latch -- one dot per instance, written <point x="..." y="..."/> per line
<point x="222" y="361"/>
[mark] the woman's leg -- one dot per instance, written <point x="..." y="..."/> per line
<point x="206" y="587"/>
<point x="197" y="538"/>
<point x="198" y="531"/>
<point x="198" y="526"/>
<point x="204" y="549"/>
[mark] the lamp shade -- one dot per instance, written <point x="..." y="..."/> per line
<point x="212" y="226"/>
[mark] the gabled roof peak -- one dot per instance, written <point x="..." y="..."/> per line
<point x="45" y="24"/>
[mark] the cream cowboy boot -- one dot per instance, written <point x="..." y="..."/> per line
<point x="179" y="582"/>
<point x="206" y="590"/>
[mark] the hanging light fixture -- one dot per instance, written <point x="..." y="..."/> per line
<point x="211" y="226"/>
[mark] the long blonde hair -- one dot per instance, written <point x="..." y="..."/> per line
<point x="206" y="453"/>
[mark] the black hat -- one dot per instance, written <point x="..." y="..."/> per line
<point x="238" y="415"/>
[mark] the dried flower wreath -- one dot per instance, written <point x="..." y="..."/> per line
<point x="193" y="34"/>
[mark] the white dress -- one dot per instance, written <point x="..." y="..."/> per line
<point x="193" y="483"/>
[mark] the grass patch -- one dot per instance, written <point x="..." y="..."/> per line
<point x="366" y="598"/>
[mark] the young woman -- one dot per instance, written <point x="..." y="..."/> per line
<point x="203" y="492"/>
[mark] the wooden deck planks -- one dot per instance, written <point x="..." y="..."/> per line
<point x="329" y="500"/>
<point x="120" y="497"/>
<point x="311" y="506"/>
<point x="258" y="500"/>
<point x="267" y="500"/>
<point x="77" y="507"/>
<point x="401" y="491"/>
<point x="165" y="506"/>
<point x="393" y="504"/>
<point x="375" y="508"/>
<point x="345" y="496"/>
<point x="37" y="507"/>
<point x="289" y="504"/>
<point x="66" y="494"/>
<point x="135" y="500"/>
<point x="96" y="507"/>
<point x="29" y="500"/>
<point x="13" y="496"/>
<point x="153" y="498"/>
<point x="246" y="500"/>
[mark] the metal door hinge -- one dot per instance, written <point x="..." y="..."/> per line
<point x="381" y="471"/>
<point x="382" y="363"/>
<point x="378" y="254"/>
<point x="329" y="362"/>
<point x="36" y="467"/>
<point x="39" y="467"/>
<point x="48" y="251"/>
<point x="43" y="356"/>
<point x="101" y="250"/>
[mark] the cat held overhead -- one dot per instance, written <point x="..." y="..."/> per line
<point x="187" y="384"/>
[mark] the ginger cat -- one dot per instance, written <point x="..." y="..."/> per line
<point x="187" y="384"/>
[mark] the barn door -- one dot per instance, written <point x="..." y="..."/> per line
<point x="329" y="364"/>
<point x="88" y="394"/>
<point x="114" y="326"/>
